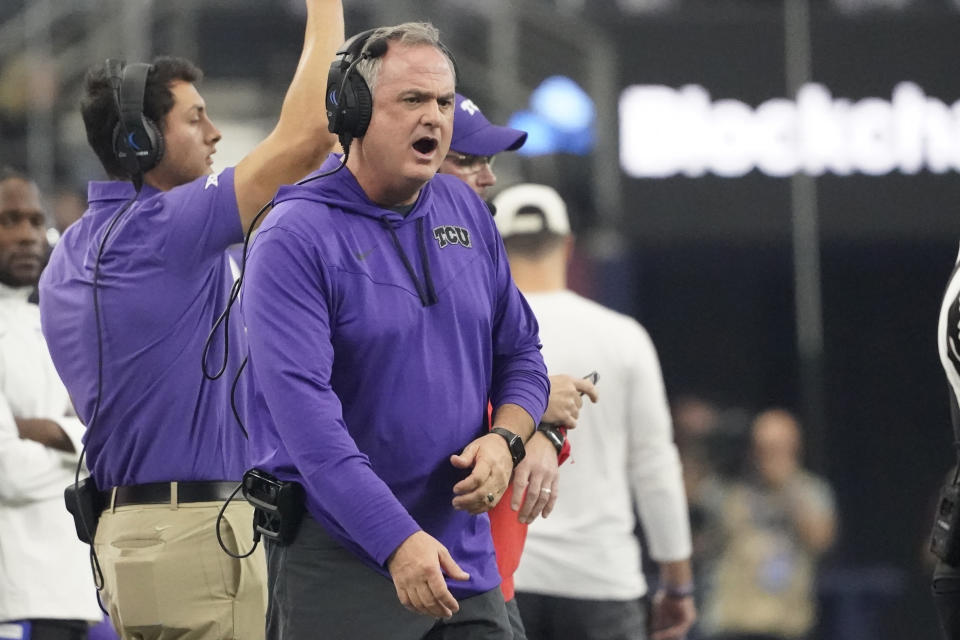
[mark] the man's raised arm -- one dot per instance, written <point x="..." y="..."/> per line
<point x="300" y="141"/>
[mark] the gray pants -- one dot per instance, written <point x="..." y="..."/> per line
<point x="946" y="595"/>
<point x="320" y="591"/>
<point x="516" y="622"/>
<point x="554" y="618"/>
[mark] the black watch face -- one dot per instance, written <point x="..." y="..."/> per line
<point x="517" y="450"/>
<point x="514" y="443"/>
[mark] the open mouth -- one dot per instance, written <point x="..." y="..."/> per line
<point x="425" y="146"/>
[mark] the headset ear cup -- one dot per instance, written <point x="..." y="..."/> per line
<point x="157" y="146"/>
<point x="348" y="100"/>
<point x="352" y="108"/>
<point x="334" y="78"/>
<point x="151" y="141"/>
<point x="364" y="105"/>
<point x="123" y="152"/>
<point x="118" y="149"/>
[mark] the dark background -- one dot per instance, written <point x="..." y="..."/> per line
<point x="712" y="260"/>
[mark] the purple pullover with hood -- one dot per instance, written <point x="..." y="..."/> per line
<point x="376" y="339"/>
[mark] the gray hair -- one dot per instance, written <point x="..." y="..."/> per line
<point x="408" y="33"/>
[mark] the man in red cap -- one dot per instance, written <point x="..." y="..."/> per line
<point x="533" y="490"/>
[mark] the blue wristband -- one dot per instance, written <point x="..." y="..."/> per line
<point x="683" y="591"/>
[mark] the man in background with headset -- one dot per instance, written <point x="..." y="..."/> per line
<point x="127" y="301"/>
<point x="534" y="488"/>
<point x="382" y="316"/>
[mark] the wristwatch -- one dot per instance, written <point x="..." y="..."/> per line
<point x="678" y="592"/>
<point x="554" y="434"/>
<point x="514" y="442"/>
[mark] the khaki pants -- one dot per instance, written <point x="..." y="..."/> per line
<point x="166" y="576"/>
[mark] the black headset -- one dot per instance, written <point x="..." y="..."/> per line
<point x="349" y="100"/>
<point x="137" y="140"/>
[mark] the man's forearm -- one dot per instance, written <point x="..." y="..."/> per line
<point x="300" y="141"/>
<point x="46" y="432"/>
<point x="516" y="419"/>
<point x="306" y="96"/>
<point x="676" y="577"/>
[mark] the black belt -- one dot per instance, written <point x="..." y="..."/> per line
<point x="160" y="492"/>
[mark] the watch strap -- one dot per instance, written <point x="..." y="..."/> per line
<point x="679" y="592"/>
<point x="553" y="434"/>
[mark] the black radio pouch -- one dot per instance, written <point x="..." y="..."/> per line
<point x="945" y="537"/>
<point x="278" y="505"/>
<point x="85" y="503"/>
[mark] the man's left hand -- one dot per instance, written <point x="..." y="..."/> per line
<point x="489" y="457"/>
<point x="535" y="480"/>
<point x="672" y="617"/>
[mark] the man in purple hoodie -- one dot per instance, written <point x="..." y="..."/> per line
<point x="381" y="317"/>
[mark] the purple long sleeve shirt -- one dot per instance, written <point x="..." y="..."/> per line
<point x="369" y="373"/>
<point x="164" y="279"/>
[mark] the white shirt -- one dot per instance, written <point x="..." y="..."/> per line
<point x="948" y="332"/>
<point x="622" y="455"/>
<point x="44" y="568"/>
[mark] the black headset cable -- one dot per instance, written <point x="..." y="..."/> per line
<point x="94" y="561"/>
<point x="224" y="320"/>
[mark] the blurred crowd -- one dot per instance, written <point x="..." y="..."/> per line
<point x="760" y="521"/>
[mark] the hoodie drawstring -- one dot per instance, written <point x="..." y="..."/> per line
<point x="425" y="264"/>
<point x="426" y="291"/>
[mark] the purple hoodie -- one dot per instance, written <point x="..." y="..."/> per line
<point x="375" y="343"/>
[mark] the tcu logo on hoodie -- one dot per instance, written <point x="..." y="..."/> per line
<point x="452" y="235"/>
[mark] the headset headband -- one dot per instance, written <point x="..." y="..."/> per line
<point x="131" y="102"/>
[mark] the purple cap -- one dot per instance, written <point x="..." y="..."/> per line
<point x="474" y="135"/>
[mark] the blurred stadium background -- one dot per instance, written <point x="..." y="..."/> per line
<point x="770" y="186"/>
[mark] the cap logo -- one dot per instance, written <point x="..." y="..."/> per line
<point x="469" y="106"/>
